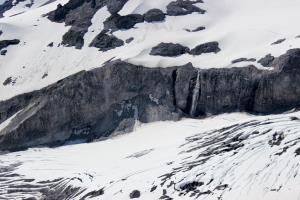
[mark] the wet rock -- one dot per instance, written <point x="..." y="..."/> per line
<point x="106" y="42"/>
<point x="169" y="50"/>
<point x="278" y="41"/>
<point x="6" y="43"/>
<point x="180" y="7"/>
<point x="154" y="15"/>
<point x="135" y="194"/>
<point x="210" y="47"/>
<point x="267" y="60"/>
<point x="73" y="38"/>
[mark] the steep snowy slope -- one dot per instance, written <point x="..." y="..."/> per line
<point x="229" y="157"/>
<point x="243" y="29"/>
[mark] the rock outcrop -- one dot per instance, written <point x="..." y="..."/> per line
<point x="106" y="42"/>
<point x="154" y="15"/>
<point x="6" y="43"/>
<point x="111" y="99"/>
<point x="169" y="50"/>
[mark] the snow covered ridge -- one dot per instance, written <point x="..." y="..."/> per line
<point x="135" y="27"/>
<point x="225" y="157"/>
<point x="112" y="99"/>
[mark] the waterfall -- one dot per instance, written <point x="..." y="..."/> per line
<point x="195" y="96"/>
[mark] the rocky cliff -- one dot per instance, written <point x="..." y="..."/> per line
<point x="112" y="99"/>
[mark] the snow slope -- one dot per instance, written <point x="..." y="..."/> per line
<point x="231" y="156"/>
<point x="242" y="28"/>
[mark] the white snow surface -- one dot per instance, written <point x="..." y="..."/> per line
<point x="243" y="29"/>
<point x="253" y="158"/>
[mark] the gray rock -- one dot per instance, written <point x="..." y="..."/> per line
<point x="117" y="22"/>
<point x="243" y="60"/>
<point x="73" y="38"/>
<point x="129" y="40"/>
<point x="169" y="50"/>
<point x="104" y="101"/>
<point x="200" y="28"/>
<point x="154" y="15"/>
<point x="135" y="194"/>
<point x="278" y="41"/>
<point x="106" y="42"/>
<point x="180" y="7"/>
<point x="6" y="43"/>
<point x="114" y="6"/>
<point x="3" y="52"/>
<point x="267" y="60"/>
<point x="210" y="47"/>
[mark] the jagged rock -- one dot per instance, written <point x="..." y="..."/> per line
<point x="73" y="38"/>
<point x="135" y="194"/>
<point x="243" y="60"/>
<point x="107" y="100"/>
<point x="77" y="14"/>
<point x="6" y="43"/>
<point x="169" y="50"/>
<point x="267" y="60"/>
<point x="114" y="6"/>
<point x="154" y="15"/>
<point x="117" y="22"/>
<point x="180" y="7"/>
<point x="106" y="42"/>
<point x="210" y="47"/>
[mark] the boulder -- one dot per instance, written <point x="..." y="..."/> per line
<point x="154" y="15"/>
<point x="169" y="50"/>
<point x="210" y="47"/>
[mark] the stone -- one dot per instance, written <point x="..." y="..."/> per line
<point x="169" y="50"/>
<point x="105" y="42"/>
<point x="73" y="38"/>
<point x="209" y="47"/>
<point x="6" y="43"/>
<point x="135" y="194"/>
<point x="267" y="60"/>
<point x="154" y="15"/>
<point x="180" y="7"/>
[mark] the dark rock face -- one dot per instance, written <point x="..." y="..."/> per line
<point x="169" y="50"/>
<point x="106" y="42"/>
<point x="154" y="15"/>
<point x="114" y="6"/>
<point x="109" y="100"/>
<point x="73" y="38"/>
<point x="6" y="43"/>
<point x="135" y="194"/>
<point x="78" y="14"/>
<point x="267" y="60"/>
<point x="117" y="22"/>
<point x="7" y="5"/>
<point x="210" y="47"/>
<point x="180" y="7"/>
